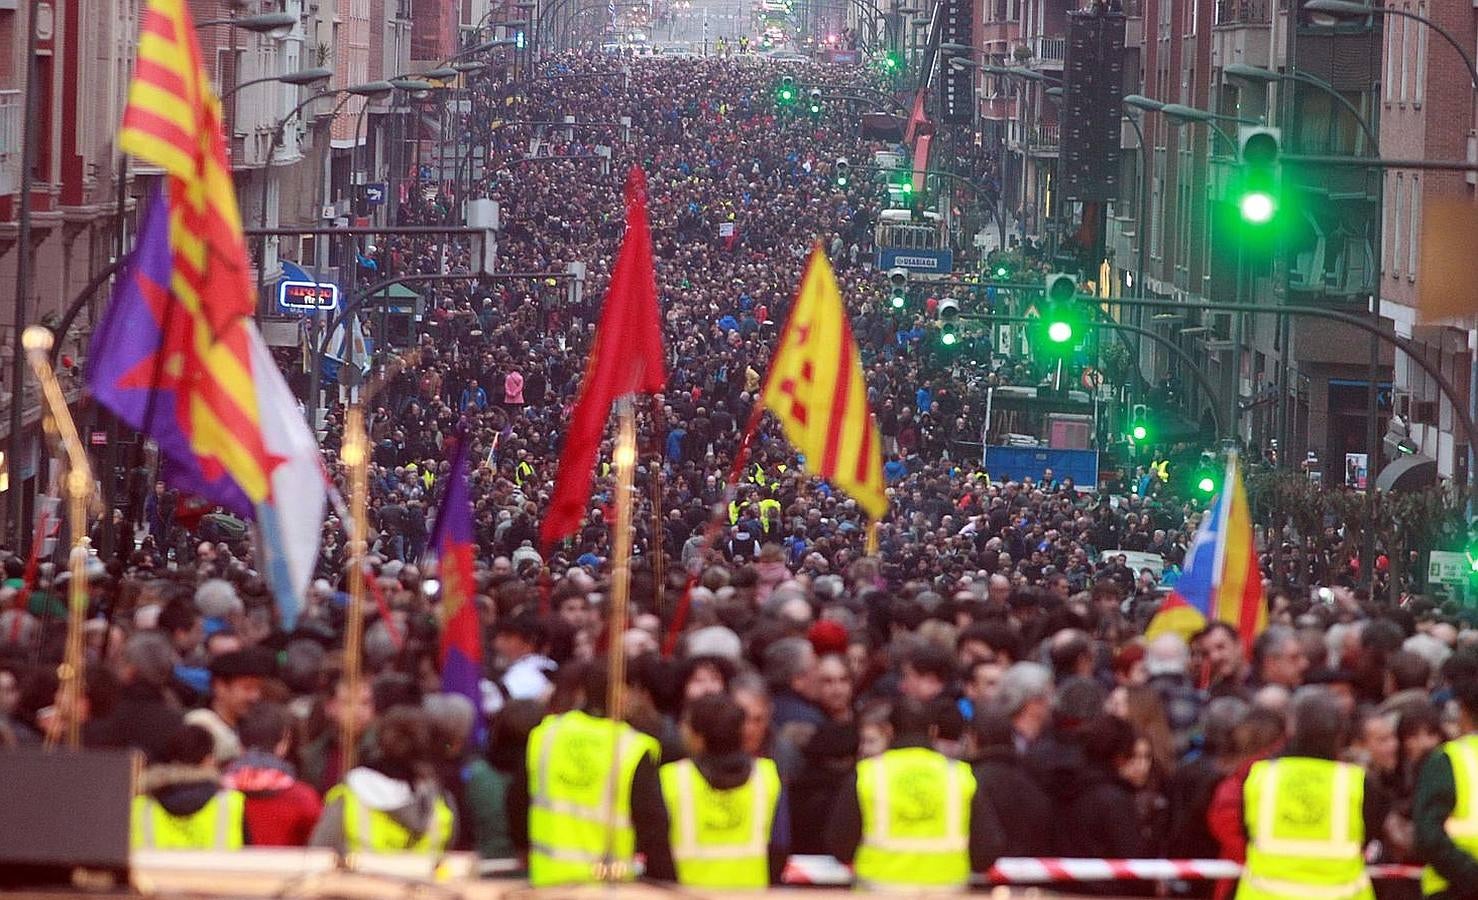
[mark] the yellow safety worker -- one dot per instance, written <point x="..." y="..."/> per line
<point x="722" y="813"/>
<point x="1305" y="815"/>
<point x="1447" y="793"/>
<point x="368" y="830"/>
<point x="593" y="796"/>
<point x="182" y="805"/>
<point x="218" y="825"/>
<point x="522" y="472"/>
<point x="906" y="825"/>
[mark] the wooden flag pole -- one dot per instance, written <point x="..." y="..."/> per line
<point x="37" y="341"/>
<point x="625" y="459"/>
<point x="355" y="453"/>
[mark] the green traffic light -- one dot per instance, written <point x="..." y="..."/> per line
<point x="1060" y="332"/>
<point x="1002" y="271"/>
<point x="906" y="187"/>
<point x="1206" y="485"/>
<point x="898" y="301"/>
<point x="949" y="338"/>
<point x="890" y="63"/>
<point x="786" y="95"/>
<point x="1258" y="207"/>
<point x="815" y="109"/>
<point x="841" y="181"/>
<point x="1139" y="432"/>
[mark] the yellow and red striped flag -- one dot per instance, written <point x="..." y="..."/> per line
<point x="173" y="120"/>
<point x="816" y="389"/>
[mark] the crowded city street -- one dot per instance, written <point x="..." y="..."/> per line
<point x="686" y="451"/>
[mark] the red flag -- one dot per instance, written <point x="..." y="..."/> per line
<point x="627" y="358"/>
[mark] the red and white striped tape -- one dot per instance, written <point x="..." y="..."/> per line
<point x="827" y="871"/>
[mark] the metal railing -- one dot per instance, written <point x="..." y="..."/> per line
<point x="1244" y="12"/>
<point x="1048" y="51"/>
<point x="1046" y="136"/>
<point x="11" y="112"/>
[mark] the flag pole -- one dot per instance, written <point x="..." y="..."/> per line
<point x="658" y="541"/>
<point x="355" y="454"/>
<point x="625" y="459"/>
<point x="37" y="341"/>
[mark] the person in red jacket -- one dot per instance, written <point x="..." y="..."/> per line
<point x="280" y="810"/>
<point x="1257" y="737"/>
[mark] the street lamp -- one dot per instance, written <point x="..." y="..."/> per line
<point x="368" y="89"/>
<point x="278" y="24"/>
<point x="301" y="78"/>
<point x="1259" y="75"/>
<point x="1345" y="9"/>
<point x="1141" y="102"/>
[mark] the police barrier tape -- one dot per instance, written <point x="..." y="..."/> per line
<point x="826" y="871"/>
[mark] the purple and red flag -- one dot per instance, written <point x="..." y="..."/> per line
<point x="452" y="545"/>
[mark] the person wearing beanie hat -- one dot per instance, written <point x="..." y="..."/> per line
<point x="236" y="680"/>
<point x="827" y="636"/>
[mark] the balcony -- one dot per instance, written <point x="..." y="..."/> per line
<point x="11" y="111"/>
<point x="1244" y="12"/>
<point x="1045" y="138"/>
<point x="1048" y="52"/>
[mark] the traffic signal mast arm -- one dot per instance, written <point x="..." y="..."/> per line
<point x="1444" y="384"/>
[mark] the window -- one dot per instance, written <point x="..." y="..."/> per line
<point x="1419" y="88"/>
<point x="1414" y="220"/>
<point x="1405" y="59"/>
<point x="1400" y="194"/>
<point x="1390" y="50"/>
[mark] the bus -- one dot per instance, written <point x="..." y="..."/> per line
<point x="903" y="229"/>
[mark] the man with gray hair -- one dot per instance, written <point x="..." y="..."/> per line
<point x="1026" y="699"/>
<point x="1166" y="661"/>
<point x="144" y="717"/>
<point x="790" y="667"/>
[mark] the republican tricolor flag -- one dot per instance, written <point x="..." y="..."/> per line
<point x="1221" y="580"/>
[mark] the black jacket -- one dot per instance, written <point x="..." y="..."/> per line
<point x="144" y="718"/>
<point x="1100" y="820"/>
<point x="1023" y="809"/>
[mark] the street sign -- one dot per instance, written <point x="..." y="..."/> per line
<point x="1448" y="567"/>
<point x="374" y="193"/>
<point x="307" y="296"/>
<point x="927" y="262"/>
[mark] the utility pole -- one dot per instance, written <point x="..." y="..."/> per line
<point x="23" y="265"/>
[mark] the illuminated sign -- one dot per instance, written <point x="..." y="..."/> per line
<point x="311" y="296"/>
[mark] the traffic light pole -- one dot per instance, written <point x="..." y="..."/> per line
<point x="1362" y="322"/>
<point x="1175" y="350"/>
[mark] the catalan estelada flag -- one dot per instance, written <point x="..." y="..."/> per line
<point x="177" y="356"/>
<point x="451" y="543"/>
<point x="816" y="389"/>
<point x="1221" y="580"/>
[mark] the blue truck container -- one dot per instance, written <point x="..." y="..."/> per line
<point x="1015" y="463"/>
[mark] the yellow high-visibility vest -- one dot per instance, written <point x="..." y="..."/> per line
<point x="1462" y="824"/>
<point x="575" y="818"/>
<point x="217" y="825"/>
<point x="1305" y="830"/>
<point x="372" y="831"/>
<point x="721" y="838"/>
<point x="915" y="821"/>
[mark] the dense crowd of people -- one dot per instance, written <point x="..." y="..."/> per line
<point x="990" y="625"/>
